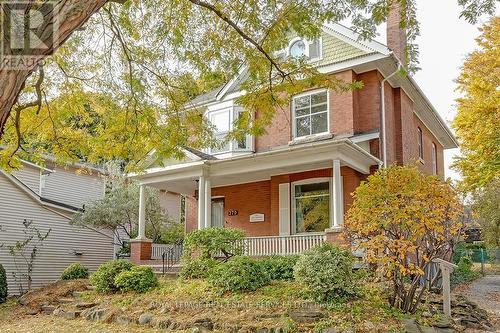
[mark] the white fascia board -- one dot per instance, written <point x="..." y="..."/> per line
<point x="37" y="166"/>
<point x="143" y="178"/>
<point x="231" y="83"/>
<point x="349" y="64"/>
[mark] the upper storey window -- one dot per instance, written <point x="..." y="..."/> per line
<point x="420" y="144"/>
<point x="311" y="50"/>
<point x="310" y="114"/>
<point x="223" y="122"/>
<point x="434" y="159"/>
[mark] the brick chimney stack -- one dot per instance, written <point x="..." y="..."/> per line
<point x="396" y="36"/>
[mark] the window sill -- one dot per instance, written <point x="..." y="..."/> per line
<point x="310" y="138"/>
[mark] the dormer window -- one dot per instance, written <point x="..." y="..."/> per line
<point x="223" y="122"/>
<point x="302" y="48"/>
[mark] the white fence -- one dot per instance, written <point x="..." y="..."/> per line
<point x="158" y="249"/>
<point x="281" y="245"/>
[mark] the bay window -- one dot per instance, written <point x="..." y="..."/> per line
<point x="310" y="114"/>
<point x="223" y="122"/>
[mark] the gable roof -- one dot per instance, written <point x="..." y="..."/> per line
<point x="35" y="196"/>
<point x="342" y="49"/>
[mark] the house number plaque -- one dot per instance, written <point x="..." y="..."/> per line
<point x="232" y="212"/>
<point x="257" y="217"/>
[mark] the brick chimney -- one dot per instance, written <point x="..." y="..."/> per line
<point x="396" y="36"/>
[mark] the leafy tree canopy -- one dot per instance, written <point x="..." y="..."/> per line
<point x="119" y="86"/>
<point x="478" y="116"/>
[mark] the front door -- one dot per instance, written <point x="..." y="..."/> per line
<point x="218" y="212"/>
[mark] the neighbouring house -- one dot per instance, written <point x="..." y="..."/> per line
<point x="47" y="198"/>
<point x="289" y="188"/>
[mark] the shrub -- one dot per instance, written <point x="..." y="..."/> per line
<point x="3" y="285"/>
<point x="213" y="242"/>
<point x="104" y="278"/>
<point x="139" y="279"/>
<point x="197" y="268"/>
<point x="239" y="273"/>
<point x="75" y="271"/>
<point x="463" y="273"/>
<point x="279" y="267"/>
<point x="327" y="272"/>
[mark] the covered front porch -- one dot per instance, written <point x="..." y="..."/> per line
<point x="286" y="200"/>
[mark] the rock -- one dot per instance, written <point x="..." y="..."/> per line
<point x="68" y="314"/>
<point x="77" y="294"/>
<point x="204" y="323"/>
<point x="162" y="323"/>
<point x="23" y="301"/>
<point x="32" y="311"/>
<point x="426" y="314"/>
<point x="306" y="316"/>
<point x="154" y="305"/>
<point x="85" y="305"/>
<point x="95" y="313"/>
<point x="145" y="318"/>
<point x="48" y="309"/>
<point x="92" y="288"/>
<point x="123" y="320"/>
<point x="411" y="326"/>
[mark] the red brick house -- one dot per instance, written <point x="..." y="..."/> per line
<point x="289" y="188"/>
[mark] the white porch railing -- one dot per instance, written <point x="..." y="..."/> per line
<point x="281" y="245"/>
<point x="158" y="249"/>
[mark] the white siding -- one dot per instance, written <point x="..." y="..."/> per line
<point x="30" y="176"/>
<point x="57" y="251"/>
<point x="67" y="185"/>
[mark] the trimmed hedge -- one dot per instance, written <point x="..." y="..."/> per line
<point x="197" y="268"/>
<point x="139" y="279"/>
<point x="104" y="278"/>
<point x="327" y="273"/>
<point x="75" y="271"/>
<point x="279" y="267"/>
<point x="238" y="274"/>
<point x="3" y="285"/>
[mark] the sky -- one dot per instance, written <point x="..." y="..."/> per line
<point x="444" y="42"/>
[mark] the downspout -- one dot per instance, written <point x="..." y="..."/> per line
<point x="384" y="134"/>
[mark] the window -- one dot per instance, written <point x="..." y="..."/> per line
<point x="311" y="50"/>
<point x="434" y="159"/>
<point x="311" y="206"/>
<point x="420" y="144"/>
<point x="222" y="123"/>
<point x="310" y="113"/>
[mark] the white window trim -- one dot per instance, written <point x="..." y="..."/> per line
<point x="294" y="123"/>
<point x="233" y="144"/>
<point x="293" y="220"/>
<point x="306" y="51"/>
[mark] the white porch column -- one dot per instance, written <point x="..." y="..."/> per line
<point x="337" y="201"/>
<point x="208" y="203"/>
<point x="201" y="202"/>
<point x="142" y="213"/>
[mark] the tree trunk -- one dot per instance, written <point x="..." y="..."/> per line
<point x="69" y="14"/>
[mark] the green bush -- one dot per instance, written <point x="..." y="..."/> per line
<point x="75" y="271"/>
<point x="238" y="274"/>
<point x="197" y="268"/>
<point x="326" y="271"/>
<point x="214" y="242"/>
<point x="139" y="279"/>
<point x="279" y="267"/>
<point x="463" y="273"/>
<point x="3" y="285"/>
<point x="104" y="278"/>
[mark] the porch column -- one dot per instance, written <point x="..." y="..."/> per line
<point x="201" y="202"/>
<point x="142" y="213"/>
<point x="140" y="247"/>
<point x="208" y="203"/>
<point x="337" y="197"/>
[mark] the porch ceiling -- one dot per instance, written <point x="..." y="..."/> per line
<point x="257" y="167"/>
